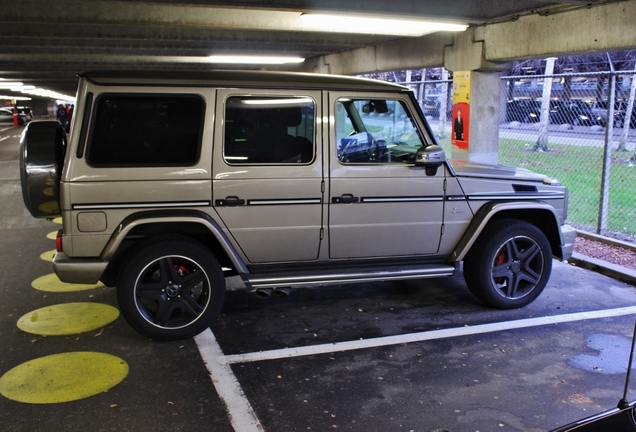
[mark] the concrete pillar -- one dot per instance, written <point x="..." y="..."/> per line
<point x="482" y="136"/>
<point x="466" y="58"/>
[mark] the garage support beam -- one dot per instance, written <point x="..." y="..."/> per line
<point x="601" y="28"/>
<point x="399" y="54"/>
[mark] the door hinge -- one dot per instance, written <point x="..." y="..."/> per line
<point x="322" y="186"/>
<point x="322" y="233"/>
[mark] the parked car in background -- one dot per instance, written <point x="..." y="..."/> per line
<point x="620" y="113"/>
<point x="6" y="116"/>
<point x="26" y="112"/>
<point x="432" y="106"/>
<point x="575" y="112"/>
<point x="620" y="116"/>
<point x="523" y="110"/>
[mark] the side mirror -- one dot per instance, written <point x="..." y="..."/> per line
<point x="431" y="158"/>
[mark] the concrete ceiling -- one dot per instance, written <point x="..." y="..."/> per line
<point x="45" y="43"/>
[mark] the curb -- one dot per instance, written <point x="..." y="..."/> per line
<point x="614" y="271"/>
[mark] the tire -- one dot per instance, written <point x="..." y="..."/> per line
<point x="171" y="289"/>
<point x="509" y="265"/>
<point x="42" y="150"/>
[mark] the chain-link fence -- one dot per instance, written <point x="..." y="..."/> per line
<point x="558" y="125"/>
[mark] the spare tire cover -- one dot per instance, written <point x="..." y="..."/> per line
<point x="42" y="150"/>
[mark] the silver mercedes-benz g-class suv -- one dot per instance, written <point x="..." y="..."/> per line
<point x="170" y="181"/>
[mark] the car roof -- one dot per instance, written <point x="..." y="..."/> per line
<point x="249" y="79"/>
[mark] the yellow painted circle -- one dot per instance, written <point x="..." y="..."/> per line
<point x="52" y="235"/>
<point x="67" y="319"/>
<point x="49" y="207"/>
<point x="51" y="283"/>
<point x="48" y="191"/>
<point x="58" y="220"/>
<point x="48" y="255"/>
<point x="63" y="377"/>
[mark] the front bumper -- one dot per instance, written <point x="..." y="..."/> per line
<point x="568" y="234"/>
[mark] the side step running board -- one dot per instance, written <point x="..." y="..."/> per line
<point x="292" y="279"/>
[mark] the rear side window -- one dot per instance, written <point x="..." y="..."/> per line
<point x="146" y="130"/>
<point x="269" y="130"/>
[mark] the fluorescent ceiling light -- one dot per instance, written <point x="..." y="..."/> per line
<point x="16" y="98"/>
<point x="373" y="25"/>
<point x="241" y="59"/>
<point x="9" y="84"/>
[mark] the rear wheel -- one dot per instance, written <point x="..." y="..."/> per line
<point x="509" y="265"/>
<point x="171" y="289"/>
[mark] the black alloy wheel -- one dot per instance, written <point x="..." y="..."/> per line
<point x="510" y="264"/>
<point x="171" y="290"/>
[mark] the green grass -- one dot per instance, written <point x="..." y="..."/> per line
<point x="580" y="169"/>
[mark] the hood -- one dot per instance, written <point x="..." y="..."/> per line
<point x="471" y="169"/>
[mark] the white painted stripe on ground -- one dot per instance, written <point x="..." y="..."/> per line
<point x="4" y="138"/>
<point x="424" y="336"/>
<point x="241" y="414"/>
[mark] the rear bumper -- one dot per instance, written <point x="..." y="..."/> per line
<point x="568" y="234"/>
<point x="78" y="270"/>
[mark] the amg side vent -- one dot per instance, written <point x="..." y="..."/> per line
<point x="524" y="188"/>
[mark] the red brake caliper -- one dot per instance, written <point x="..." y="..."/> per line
<point x="181" y="270"/>
<point x="500" y="258"/>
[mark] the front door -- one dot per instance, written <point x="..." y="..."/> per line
<point x="380" y="204"/>
<point x="268" y="178"/>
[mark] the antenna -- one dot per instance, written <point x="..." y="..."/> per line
<point x="624" y="403"/>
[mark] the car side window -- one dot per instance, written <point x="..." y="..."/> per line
<point x="144" y="130"/>
<point x="269" y="130"/>
<point x="376" y="131"/>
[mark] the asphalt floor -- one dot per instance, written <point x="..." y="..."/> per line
<point x="419" y="355"/>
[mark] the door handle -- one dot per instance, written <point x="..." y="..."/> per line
<point x="345" y="199"/>
<point x="231" y="201"/>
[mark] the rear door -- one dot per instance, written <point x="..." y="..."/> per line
<point x="268" y="177"/>
<point x="380" y="204"/>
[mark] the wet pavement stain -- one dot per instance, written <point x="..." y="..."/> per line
<point x="612" y="358"/>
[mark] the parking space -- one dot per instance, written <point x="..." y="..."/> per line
<point x="400" y="356"/>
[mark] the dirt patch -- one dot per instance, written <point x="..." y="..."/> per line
<point x="610" y="253"/>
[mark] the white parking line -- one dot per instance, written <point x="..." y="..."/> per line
<point x="241" y="413"/>
<point x="242" y="416"/>
<point x="424" y="336"/>
<point x="4" y="138"/>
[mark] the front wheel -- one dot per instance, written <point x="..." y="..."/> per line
<point x="509" y="265"/>
<point x="171" y="290"/>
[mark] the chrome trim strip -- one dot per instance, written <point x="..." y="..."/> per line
<point x="517" y="196"/>
<point x="141" y="205"/>
<point x="399" y="199"/>
<point x="258" y="202"/>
